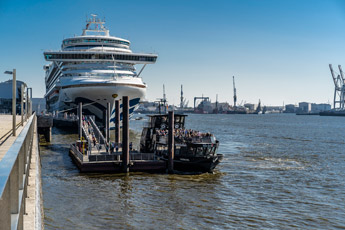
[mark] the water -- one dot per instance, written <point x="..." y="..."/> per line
<point x="279" y="171"/>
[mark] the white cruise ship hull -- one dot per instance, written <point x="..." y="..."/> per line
<point x="95" y="95"/>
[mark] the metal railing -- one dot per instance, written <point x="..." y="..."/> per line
<point x="14" y="170"/>
<point x="86" y="136"/>
<point x="8" y="134"/>
<point x="79" y="154"/>
<point x="97" y="132"/>
<point x="142" y="156"/>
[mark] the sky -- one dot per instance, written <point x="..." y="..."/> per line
<point x="277" y="50"/>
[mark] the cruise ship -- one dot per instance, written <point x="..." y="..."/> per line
<point x="94" y="68"/>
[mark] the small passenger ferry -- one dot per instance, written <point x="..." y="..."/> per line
<point x="194" y="151"/>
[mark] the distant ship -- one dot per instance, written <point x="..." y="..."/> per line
<point x="94" y="68"/>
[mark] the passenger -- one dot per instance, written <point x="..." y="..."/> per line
<point x="94" y="140"/>
<point x="112" y="146"/>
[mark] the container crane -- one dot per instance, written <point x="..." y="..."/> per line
<point x="339" y="89"/>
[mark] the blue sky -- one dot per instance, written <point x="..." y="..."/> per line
<point x="278" y="51"/>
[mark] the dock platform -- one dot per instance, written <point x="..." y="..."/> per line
<point x="112" y="163"/>
<point x="93" y="153"/>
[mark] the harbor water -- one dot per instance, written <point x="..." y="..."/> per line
<point x="280" y="171"/>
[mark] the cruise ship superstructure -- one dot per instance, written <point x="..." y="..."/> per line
<point x="94" y="68"/>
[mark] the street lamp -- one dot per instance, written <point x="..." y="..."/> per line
<point x="14" y="93"/>
<point x="30" y="101"/>
<point x="22" y="102"/>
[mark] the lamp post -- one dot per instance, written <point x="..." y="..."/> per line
<point x="30" y="101"/>
<point x="22" y="102"/>
<point x="14" y="93"/>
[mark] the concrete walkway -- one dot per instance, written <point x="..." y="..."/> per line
<point x="6" y="126"/>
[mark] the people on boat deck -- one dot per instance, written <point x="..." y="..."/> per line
<point x="183" y="135"/>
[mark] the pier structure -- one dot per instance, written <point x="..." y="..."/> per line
<point x="20" y="179"/>
<point x="44" y="126"/>
<point x="95" y="153"/>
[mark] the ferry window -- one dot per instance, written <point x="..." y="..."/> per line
<point x="199" y="151"/>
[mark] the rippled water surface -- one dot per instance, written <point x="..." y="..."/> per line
<point x="279" y="171"/>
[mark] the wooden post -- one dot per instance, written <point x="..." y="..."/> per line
<point x="171" y="142"/>
<point x="107" y="123"/>
<point x="125" y="134"/>
<point x="117" y="122"/>
<point x="80" y="114"/>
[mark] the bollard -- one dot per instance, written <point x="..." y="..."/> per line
<point x="171" y="142"/>
<point x="117" y="121"/>
<point x="125" y="134"/>
<point x="80" y="114"/>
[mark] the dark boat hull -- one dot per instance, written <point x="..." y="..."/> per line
<point x="196" y="164"/>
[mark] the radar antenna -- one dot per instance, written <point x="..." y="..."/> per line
<point x="95" y="26"/>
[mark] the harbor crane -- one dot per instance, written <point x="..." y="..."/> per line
<point x="183" y="101"/>
<point x="235" y="97"/>
<point x="339" y="89"/>
<point x="162" y="101"/>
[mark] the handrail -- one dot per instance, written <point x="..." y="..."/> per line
<point x="6" y="135"/>
<point x="87" y="138"/>
<point x="95" y="127"/>
<point x="79" y="154"/>
<point x="14" y="168"/>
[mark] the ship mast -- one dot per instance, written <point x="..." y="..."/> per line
<point x="235" y="97"/>
<point x="98" y="26"/>
<point x="164" y="99"/>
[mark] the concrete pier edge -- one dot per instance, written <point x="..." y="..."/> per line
<point x="34" y="211"/>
